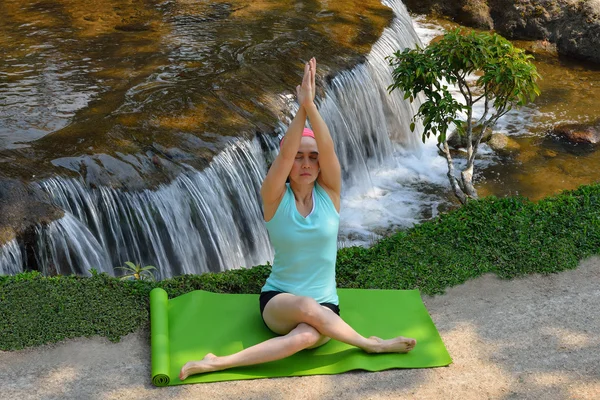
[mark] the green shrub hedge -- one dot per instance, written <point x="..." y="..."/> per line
<point x="509" y="236"/>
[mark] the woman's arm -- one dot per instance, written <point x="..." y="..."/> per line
<point x="330" y="177"/>
<point x="273" y="187"/>
<point x="331" y="171"/>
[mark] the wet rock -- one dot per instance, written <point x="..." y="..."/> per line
<point x="573" y="26"/>
<point x="578" y="133"/>
<point x="457" y="141"/>
<point x="549" y="153"/>
<point x="476" y="13"/>
<point x="503" y="144"/>
<point x="468" y="12"/>
<point x="127" y="172"/>
<point x="541" y="49"/>
<point x="21" y="207"/>
<point x="133" y="27"/>
<point x="527" y="156"/>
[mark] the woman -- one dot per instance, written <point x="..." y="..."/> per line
<point x="299" y="300"/>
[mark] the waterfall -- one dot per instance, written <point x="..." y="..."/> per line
<point x="385" y="166"/>
<point x="363" y="118"/>
<point x="212" y="220"/>
<point x="200" y="222"/>
<point x="67" y="246"/>
<point x="11" y="260"/>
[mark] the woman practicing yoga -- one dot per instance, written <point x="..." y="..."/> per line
<point x="299" y="300"/>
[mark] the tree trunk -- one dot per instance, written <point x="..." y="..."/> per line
<point x="467" y="182"/>
<point x="458" y="192"/>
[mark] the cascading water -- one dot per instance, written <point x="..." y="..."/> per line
<point x="365" y="121"/>
<point x="212" y="221"/>
<point x="67" y="246"/>
<point x="202" y="221"/>
<point x="11" y="259"/>
<point x="384" y="164"/>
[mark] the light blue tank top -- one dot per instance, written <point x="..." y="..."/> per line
<point x="305" y="248"/>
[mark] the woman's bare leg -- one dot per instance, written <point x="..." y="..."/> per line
<point x="284" y="311"/>
<point x="299" y="338"/>
<point x="305" y="324"/>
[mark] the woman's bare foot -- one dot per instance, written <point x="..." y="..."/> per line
<point x="197" y="367"/>
<point x="399" y="344"/>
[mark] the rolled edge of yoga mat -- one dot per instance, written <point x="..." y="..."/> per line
<point x="159" y="337"/>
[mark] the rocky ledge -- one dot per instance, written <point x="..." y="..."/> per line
<point x="573" y="25"/>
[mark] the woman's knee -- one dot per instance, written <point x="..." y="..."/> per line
<point x="284" y="312"/>
<point x="307" y="336"/>
<point x="310" y="311"/>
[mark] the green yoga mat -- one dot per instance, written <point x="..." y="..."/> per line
<point x="189" y="326"/>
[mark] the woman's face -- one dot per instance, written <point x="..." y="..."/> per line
<point x="306" y="164"/>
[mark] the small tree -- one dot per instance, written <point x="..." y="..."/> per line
<point x="507" y="79"/>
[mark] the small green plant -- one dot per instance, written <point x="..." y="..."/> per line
<point x="137" y="272"/>
<point x="507" y="79"/>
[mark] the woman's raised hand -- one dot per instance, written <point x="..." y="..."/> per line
<point x="306" y="91"/>
<point x="313" y="74"/>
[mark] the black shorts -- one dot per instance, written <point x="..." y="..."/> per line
<point x="268" y="295"/>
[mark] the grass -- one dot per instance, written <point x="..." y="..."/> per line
<point x="509" y="236"/>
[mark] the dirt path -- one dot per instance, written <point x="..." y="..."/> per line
<point x="531" y="338"/>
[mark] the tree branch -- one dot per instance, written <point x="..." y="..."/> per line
<point x="462" y="83"/>
<point x="486" y="109"/>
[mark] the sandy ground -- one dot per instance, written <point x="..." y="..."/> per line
<point x="531" y="338"/>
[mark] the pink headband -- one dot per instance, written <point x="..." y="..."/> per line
<point x="305" y="132"/>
